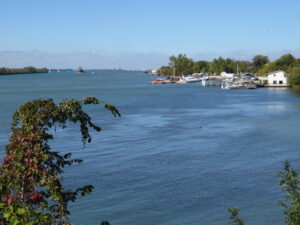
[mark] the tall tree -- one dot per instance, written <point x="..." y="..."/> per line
<point x="245" y="66"/>
<point x="182" y="64"/>
<point x="200" y="66"/>
<point x="285" y="61"/>
<point x="30" y="175"/>
<point x="290" y="182"/>
<point x="270" y="67"/>
<point x="258" y="61"/>
<point x="166" y="70"/>
<point x="294" y="76"/>
<point x="218" y="65"/>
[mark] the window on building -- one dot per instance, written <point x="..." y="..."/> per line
<point x="274" y="81"/>
<point x="280" y="82"/>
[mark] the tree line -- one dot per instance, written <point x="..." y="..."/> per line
<point x="260" y="65"/>
<point x="25" y="70"/>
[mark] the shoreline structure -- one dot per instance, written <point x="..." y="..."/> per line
<point x="25" y="70"/>
<point x="234" y="81"/>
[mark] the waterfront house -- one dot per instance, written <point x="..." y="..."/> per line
<point x="277" y="79"/>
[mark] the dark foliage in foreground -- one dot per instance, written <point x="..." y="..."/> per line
<point x="31" y="187"/>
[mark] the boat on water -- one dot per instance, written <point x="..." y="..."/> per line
<point x="235" y="86"/>
<point x="191" y="79"/>
<point x="206" y="82"/>
<point x="160" y="81"/>
<point x="181" y="81"/>
<point x="80" y="70"/>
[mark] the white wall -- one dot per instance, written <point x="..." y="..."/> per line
<point x="277" y="78"/>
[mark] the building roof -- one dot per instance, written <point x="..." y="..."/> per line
<point x="277" y="71"/>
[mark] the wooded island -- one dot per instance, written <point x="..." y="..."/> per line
<point x="25" y="70"/>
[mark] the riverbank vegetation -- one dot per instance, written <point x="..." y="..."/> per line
<point x="25" y="70"/>
<point x="31" y="187"/>
<point x="290" y="183"/>
<point x="260" y="65"/>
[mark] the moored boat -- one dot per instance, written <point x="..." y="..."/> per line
<point x="191" y="79"/>
<point x="234" y="86"/>
<point x="160" y="81"/>
<point x="80" y="70"/>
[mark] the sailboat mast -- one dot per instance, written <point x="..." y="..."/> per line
<point x="237" y="68"/>
<point x="174" y="70"/>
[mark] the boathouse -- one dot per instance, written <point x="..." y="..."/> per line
<point x="277" y="79"/>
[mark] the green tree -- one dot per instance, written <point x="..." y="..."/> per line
<point x="290" y="181"/>
<point x="258" y="61"/>
<point x="182" y="65"/>
<point x="166" y="70"/>
<point x="230" y="66"/>
<point x="30" y="69"/>
<point x="31" y="186"/>
<point x="245" y="66"/>
<point x="294" y="76"/>
<point x="200" y="66"/>
<point x="218" y="65"/>
<point x="296" y="62"/>
<point x="234" y="216"/>
<point x="285" y="61"/>
<point x="270" y="67"/>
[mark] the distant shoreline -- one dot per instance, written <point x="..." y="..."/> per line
<point x="26" y="70"/>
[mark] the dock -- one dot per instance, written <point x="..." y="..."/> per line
<point x="277" y="85"/>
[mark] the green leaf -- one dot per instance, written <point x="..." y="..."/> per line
<point x="16" y="222"/>
<point x="33" y="167"/>
<point x="20" y="211"/>
<point x="6" y="215"/>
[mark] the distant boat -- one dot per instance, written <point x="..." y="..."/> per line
<point x="80" y="70"/>
<point x="160" y="81"/>
<point x="191" y="79"/>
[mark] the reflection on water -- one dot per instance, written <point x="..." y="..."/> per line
<point x="277" y="106"/>
<point x="296" y="90"/>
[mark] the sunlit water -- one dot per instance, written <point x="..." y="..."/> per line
<point x="180" y="154"/>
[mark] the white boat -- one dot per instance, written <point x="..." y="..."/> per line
<point x="206" y="82"/>
<point x="181" y="81"/>
<point x="191" y="79"/>
<point x="237" y="86"/>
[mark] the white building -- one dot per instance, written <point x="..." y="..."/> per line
<point x="277" y="78"/>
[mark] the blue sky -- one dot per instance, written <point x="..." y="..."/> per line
<point x="143" y="34"/>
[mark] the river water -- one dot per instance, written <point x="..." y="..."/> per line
<point x="179" y="154"/>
